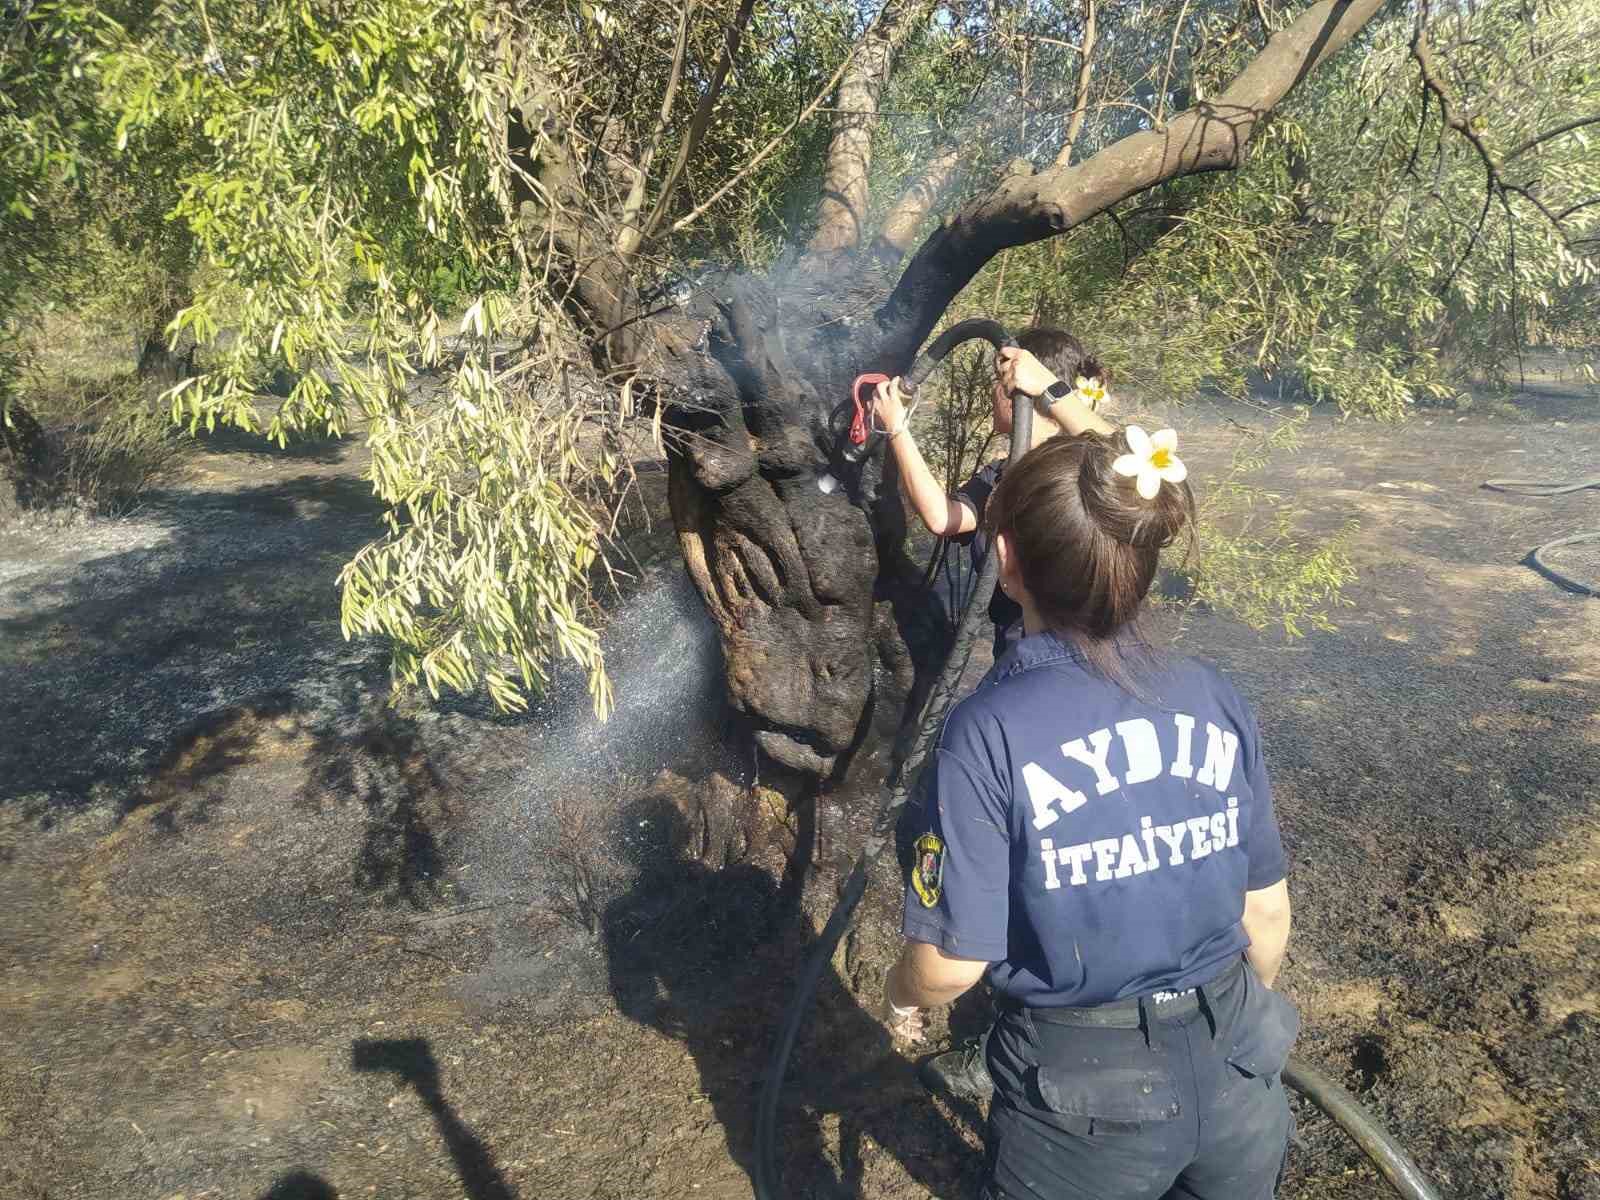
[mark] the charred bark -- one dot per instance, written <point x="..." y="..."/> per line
<point x="791" y="547"/>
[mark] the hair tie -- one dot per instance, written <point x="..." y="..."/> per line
<point x="1152" y="460"/>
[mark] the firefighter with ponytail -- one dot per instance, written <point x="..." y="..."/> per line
<point x="1095" y="835"/>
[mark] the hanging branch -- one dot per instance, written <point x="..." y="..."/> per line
<point x="1496" y="186"/>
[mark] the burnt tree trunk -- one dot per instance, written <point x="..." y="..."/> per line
<point x="797" y="553"/>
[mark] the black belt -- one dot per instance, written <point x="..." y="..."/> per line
<point x="1130" y="1012"/>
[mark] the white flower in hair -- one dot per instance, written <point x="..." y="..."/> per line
<point x="1153" y="460"/>
<point x="1092" y="392"/>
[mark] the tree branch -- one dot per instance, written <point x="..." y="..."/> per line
<point x="1495" y="185"/>
<point x="842" y="211"/>
<point x="1578" y="207"/>
<point x="1211" y="136"/>
<point x="630" y="236"/>
<point x="762" y="155"/>
<point x="1172" y="54"/>
<point x="1593" y="119"/>
<point x="700" y="121"/>
<point x="1127" y="258"/>
<point x="1422" y="53"/>
<point x="1080" y="99"/>
<point x="894" y="241"/>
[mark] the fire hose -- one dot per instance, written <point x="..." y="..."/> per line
<point x="1541" y="490"/>
<point x="1396" y="1166"/>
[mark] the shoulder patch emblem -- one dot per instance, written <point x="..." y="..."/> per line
<point x="927" y="872"/>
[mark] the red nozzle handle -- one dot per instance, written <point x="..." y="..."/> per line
<point x="858" y="424"/>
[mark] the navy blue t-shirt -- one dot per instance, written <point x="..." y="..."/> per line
<point x="1005" y="612"/>
<point x="1088" y="844"/>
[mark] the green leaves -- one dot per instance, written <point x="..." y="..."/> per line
<point x="1254" y="564"/>
<point x="330" y="179"/>
<point x="1347" y="258"/>
<point x="315" y="188"/>
<point x="485" y="572"/>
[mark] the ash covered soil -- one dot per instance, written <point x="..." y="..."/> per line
<point x="262" y="937"/>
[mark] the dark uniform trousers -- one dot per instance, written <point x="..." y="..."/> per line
<point x="1169" y="1098"/>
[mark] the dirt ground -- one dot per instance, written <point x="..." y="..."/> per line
<point x="261" y="939"/>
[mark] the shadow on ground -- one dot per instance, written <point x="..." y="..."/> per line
<point x="230" y="439"/>
<point x="411" y="1061"/>
<point x="255" y="887"/>
<point x="154" y="678"/>
<point x="300" y="1185"/>
<point x="708" y="957"/>
<point x="230" y="601"/>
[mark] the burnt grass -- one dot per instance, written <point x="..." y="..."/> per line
<point x="248" y="947"/>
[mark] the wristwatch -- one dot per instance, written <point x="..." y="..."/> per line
<point x="1059" y="390"/>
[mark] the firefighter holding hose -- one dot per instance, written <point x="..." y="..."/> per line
<point x="1096" y="835"/>
<point x="1063" y="408"/>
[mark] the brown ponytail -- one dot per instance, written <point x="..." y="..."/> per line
<point x="1087" y="542"/>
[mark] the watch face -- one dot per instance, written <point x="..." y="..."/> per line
<point x="1059" y="390"/>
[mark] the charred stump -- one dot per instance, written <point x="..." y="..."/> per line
<point x="798" y="554"/>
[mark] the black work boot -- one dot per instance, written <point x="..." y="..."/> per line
<point x="960" y="1073"/>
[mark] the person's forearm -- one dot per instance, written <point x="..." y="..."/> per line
<point x="912" y="984"/>
<point x="1269" y="939"/>
<point x="938" y="511"/>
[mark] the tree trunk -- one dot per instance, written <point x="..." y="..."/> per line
<point x="159" y="363"/>
<point x="842" y="213"/>
<point x="899" y="230"/>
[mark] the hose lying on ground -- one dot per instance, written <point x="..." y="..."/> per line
<point x="1343" y="1108"/>
<point x="1541" y="489"/>
<point x="1346" y="1112"/>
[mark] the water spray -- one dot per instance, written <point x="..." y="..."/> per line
<point x="1396" y="1166"/>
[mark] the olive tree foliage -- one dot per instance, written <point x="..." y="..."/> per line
<point x="1365" y="253"/>
<point x="1392" y="237"/>
<point x="326" y="163"/>
<point x="83" y="221"/>
<point x="303" y="174"/>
